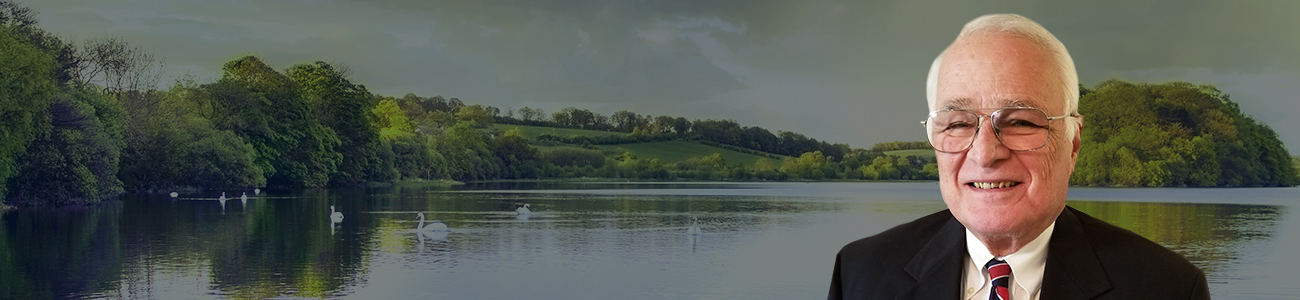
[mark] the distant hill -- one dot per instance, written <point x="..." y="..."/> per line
<point x="915" y="152"/>
<point x="532" y="132"/>
<point x="675" y="151"/>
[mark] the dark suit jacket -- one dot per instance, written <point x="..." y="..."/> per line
<point x="1086" y="259"/>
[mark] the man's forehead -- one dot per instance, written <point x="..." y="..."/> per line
<point x="968" y="103"/>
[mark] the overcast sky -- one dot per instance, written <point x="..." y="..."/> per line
<point x="842" y="71"/>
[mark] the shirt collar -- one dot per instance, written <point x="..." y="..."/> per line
<point x="1027" y="264"/>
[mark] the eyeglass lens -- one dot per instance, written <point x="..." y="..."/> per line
<point x="1020" y="129"/>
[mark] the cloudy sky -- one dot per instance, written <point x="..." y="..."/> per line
<point x="837" y="70"/>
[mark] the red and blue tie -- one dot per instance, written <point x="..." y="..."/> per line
<point x="1000" y="274"/>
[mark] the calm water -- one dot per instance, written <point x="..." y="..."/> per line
<point x="583" y="241"/>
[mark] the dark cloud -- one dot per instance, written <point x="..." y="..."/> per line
<point x="839" y="70"/>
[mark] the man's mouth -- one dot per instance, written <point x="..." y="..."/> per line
<point x="993" y="185"/>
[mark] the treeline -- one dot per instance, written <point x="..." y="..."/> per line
<point x="87" y="121"/>
<point x="59" y="139"/>
<point x="645" y="128"/>
<point x="893" y="146"/>
<point x="84" y="121"/>
<point x="1175" y="134"/>
<point x="857" y="165"/>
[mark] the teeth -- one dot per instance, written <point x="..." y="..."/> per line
<point x="994" y="185"/>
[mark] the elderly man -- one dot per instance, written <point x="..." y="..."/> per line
<point x="1004" y="125"/>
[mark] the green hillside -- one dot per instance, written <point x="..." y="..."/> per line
<point x="916" y="152"/>
<point x="673" y="151"/>
<point x="532" y="132"/>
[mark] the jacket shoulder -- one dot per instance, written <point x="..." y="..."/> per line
<point x="1126" y="248"/>
<point x="902" y="241"/>
<point x="1135" y="267"/>
<point x="877" y="267"/>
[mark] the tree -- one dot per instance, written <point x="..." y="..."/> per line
<point x="116" y="66"/>
<point x="174" y="144"/>
<point x="345" y="107"/>
<point x="76" y="159"/>
<point x="476" y="114"/>
<point x="681" y="126"/>
<point x="1175" y="134"/>
<point x="391" y="120"/>
<point x="268" y="109"/>
<point x="519" y="160"/>
<point x="625" y="121"/>
<point x="27" y="87"/>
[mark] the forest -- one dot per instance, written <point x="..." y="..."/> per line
<point x="1175" y="134"/>
<point x="85" y="121"/>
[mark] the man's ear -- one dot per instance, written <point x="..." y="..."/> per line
<point x="1078" y="138"/>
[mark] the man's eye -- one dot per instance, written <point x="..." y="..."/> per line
<point x="1019" y="123"/>
<point x="958" y="125"/>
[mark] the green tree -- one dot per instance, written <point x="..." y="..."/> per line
<point x="177" y="146"/>
<point x="1175" y="134"/>
<point x="27" y="87"/>
<point x="518" y="159"/>
<point x="345" y="108"/>
<point x="391" y="120"/>
<point x="76" y="159"/>
<point x="267" y="108"/>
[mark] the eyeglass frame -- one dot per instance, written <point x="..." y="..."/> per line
<point x="979" y="119"/>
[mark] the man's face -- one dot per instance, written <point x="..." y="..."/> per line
<point x="993" y="71"/>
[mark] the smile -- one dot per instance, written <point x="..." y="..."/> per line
<point x="993" y="185"/>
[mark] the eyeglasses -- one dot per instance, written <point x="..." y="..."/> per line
<point x="1018" y="128"/>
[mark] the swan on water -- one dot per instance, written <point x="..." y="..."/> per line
<point x="222" y="200"/>
<point x="523" y="210"/>
<point x="174" y="194"/>
<point x="335" y="216"/>
<point x="695" y="227"/>
<point x="433" y="225"/>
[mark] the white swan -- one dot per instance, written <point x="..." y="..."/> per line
<point x="336" y="217"/>
<point x="523" y="210"/>
<point x="695" y="227"/>
<point x="433" y="225"/>
<point x="223" y="202"/>
<point x="174" y="194"/>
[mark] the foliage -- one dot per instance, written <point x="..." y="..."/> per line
<point x="344" y="107"/>
<point x="83" y="123"/>
<point x="294" y="148"/>
<point x="171" y="144"/>
<point x="894" y="146"/>
<point x="1175" y="134"/>
<point x="76" y="159"/>
<point x="574" y="157"/>
<point x="27" y="86"/>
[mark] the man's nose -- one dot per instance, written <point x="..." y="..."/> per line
<point x="986" y="149"/>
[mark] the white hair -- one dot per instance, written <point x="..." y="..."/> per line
<point x="1020" y="26"/>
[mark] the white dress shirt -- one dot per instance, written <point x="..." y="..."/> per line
<point x="1027" y="266"/>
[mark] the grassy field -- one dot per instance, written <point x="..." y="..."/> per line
<point x="674" y="151"/>
<point x="916" y="152"/>
<point x="532" y="132"/>
<point x="671" y="151"/>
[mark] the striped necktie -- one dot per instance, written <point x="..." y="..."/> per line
<point x="1000" y="274"/>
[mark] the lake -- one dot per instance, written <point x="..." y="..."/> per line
<point x="582" y="241"/>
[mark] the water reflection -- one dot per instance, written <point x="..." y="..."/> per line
<point x="1214" y="237"/>
<point x="591" y="241"/>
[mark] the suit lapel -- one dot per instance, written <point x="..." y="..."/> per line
<point x="937" y="266"/>
<point x="1073" y="270"/>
